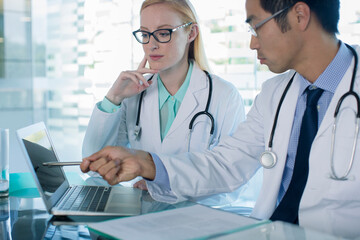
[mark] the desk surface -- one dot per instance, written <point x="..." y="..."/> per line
<point x="23" y="215"/>
<point x="27" y="218"/>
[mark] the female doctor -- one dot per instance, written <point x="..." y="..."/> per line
<point x="153" y="112"/>
<point x="303" y="39"/>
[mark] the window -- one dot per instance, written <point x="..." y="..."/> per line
<point x="60" y="61"/>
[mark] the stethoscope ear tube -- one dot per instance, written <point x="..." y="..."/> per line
<point x="205" y="112"/>
<point x="278" y="111"/>
<point x="137" y="130"/>
<point x="268" y="158"/>
<point x="349" y="93"/>
<point x="351" y="90"/>
<point x="333" y="174"/>
<point x="191" y="124"/>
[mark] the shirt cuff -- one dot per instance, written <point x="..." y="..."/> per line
<point x="161" y="177"/>
<point x="107" y="106"/>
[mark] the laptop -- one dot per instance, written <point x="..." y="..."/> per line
<point x="59" y="197"/>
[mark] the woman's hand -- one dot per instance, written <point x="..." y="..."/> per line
<point x="129" y="83"/>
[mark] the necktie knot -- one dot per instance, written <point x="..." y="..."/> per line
<point x="313" y="96"/>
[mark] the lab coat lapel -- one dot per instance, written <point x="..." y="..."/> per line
<point x="191" y="100"/>
<point x="150" y="119"/>
<point x="285" y="121"/>
<point x="270" y="188"/>
<point x="342" y="88"/>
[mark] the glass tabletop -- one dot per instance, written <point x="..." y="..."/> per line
<point x="23" y="214"/>
<point x="27" y="218"/>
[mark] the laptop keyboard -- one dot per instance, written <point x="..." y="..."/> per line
<point x="86" y="198"/>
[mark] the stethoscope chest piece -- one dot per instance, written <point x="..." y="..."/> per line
<point x="268" y="159"/>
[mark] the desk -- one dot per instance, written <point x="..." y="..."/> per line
<point x="25" y="217"/>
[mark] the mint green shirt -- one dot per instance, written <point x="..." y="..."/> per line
<point x="168" y="105"/>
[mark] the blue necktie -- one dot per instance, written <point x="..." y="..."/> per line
<point x="288" y="208"/>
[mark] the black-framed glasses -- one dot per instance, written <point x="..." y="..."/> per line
<point x="160" y="35"/>
<point x="252" y="29"/>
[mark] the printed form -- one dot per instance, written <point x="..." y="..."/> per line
<point x="183" y="223"/>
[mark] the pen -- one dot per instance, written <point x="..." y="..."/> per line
<point x="49" y="164"/>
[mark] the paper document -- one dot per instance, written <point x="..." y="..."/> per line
<point x="182" y="223"/>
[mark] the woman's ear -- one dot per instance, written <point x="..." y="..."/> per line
<point x="193" y="32"/>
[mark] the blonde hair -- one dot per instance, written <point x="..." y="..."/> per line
<point x="188" y="14"/>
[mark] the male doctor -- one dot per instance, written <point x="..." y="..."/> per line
<point x="302" y="183"/>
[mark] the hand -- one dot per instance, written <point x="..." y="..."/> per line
<point x="128" y="83"/>
<point x="118" y="164"/>
<point x="141" y="185"/>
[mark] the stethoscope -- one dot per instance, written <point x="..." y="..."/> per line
<point x="268" y="158"/>
<point x="137" y="129"/>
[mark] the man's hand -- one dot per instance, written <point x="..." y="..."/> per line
<point x="118" y="164"/>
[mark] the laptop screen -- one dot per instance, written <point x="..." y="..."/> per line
<point x="39" y="150"/>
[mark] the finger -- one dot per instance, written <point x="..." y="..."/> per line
<point x="123" y="175"/>
<point x="84" y="166"/>
<point x="132" y="76"/>
<point x="95" y="165"/>
<point x="141" y="80"/>
<point x="112" y="176"/>
<point x="95" y="156"/>
<point x="137" y="78"/>
<point x="142" y="87"/>
<point x="143" y="69"/>
<point x="143" y="63"/>
<point x="147" y="70"/>
<point x="104" y="169"/>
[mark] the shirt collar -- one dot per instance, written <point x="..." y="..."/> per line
<point x="179" y="95"/>
<point x="331" y="77"/>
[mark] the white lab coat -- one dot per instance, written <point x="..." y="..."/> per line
<point x="327" y="205"/>
<point x="117" y="129"/>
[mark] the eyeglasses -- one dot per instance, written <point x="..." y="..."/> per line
<point x="252" y="29"/>
<point x="160" y="35"/>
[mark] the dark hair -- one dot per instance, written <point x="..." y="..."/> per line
<point x="326" y="11"/>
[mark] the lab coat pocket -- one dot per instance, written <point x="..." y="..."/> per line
<point x="343" y="207"/>
<point x="199" y="138"/>
<point x="331" y="158"/>
<point x="345" y="156"/>
<point x="336" y="202"/>
<point x="343" y="169"/>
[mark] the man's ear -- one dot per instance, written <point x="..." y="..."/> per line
<point x="303" y="15"/>
<point x="193" y="32"/>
